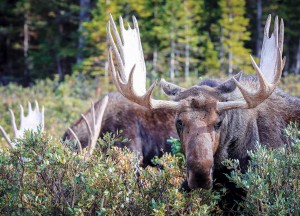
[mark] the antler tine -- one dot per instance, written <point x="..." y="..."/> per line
<point x="114" y="47"/>
<point x="88" y="125"/>
<point x="281" y="35"/>
<point x="115" y="76"/>
<point x="13" y="123"/>
<point x="93" y="116"/>
<point x="118" y="39"/>
<point x="29" y="107"/>
<point x="96" y="127"/>
<point x="36" y="105"/>
<point x="42" y="118"/>
<point x="21" y="113"/>
<point x="77" y="140"/>
<point x="269" y="72"/>
<point x="267" y="26"/>
<point x="6" y="137"/>
<point x="130" y="55"/>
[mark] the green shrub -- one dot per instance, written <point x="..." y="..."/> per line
<point x="43" y="176"/>
<point x="272" y="179"/>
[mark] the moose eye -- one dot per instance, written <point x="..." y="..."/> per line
<point x="179" y="126"/>
<point x="218" y="125"/>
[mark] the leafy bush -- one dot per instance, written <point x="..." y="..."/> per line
<point x="272" y="179"/>
<point x="43" y="176"/>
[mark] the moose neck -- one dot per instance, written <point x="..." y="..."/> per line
<point x="243" y="129"/>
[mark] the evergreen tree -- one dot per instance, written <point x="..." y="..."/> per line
<point x="233" y="26"/>
<point x="167" y="30"/>
<point x="39" y="38"/>
<point x="95" y="48"/>
<point x="188" y="36"/>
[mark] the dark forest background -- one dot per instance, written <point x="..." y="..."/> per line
<point x="181" y="38"/>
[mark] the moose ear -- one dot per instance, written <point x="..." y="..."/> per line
<point x="170" y="89"/>
<point x="229" y="85"/>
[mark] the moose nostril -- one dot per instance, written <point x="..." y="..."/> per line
<point x="200" y="179"/>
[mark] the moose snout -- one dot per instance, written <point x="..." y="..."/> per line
<point x="200" y="180"/>
<point x="200" y="176"/>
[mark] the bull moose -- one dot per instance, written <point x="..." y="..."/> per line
<point x="216" y="120"/>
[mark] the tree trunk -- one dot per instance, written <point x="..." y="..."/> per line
<point x="106" y="69"/>
<point x="59" y="69"/>
<point x="187" y="44"/>
<point x="84" y="16"/>
<point x="25" y="52"/>
<point x="258" y="28"/>
<point x="196" y="73"/>
<point x="187" y="61"/>
<point x="230" y="66"/>
<point x="287" y="68"/>
<point x="172" y="60"/>
<point x="155" y="60"/>
<point x="230" y="57"/>
<point x="297" y="67"/>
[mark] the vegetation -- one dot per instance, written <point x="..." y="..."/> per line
<point x="272" y="179"/>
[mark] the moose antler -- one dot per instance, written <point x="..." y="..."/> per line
<point x="269" y="72"/>
<point x="32" y="121"/>
<point x="130" y="58"/>
<point x="93" y="129"/>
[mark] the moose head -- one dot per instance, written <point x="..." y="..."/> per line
<point x="200" y="110"/>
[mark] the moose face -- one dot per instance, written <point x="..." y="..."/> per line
<point x="198" y="129"/>
<point x="198" y="125"/>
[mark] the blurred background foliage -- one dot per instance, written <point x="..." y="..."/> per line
<point x="181" y="38"/>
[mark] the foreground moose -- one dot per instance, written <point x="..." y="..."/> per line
<point x="215" y="120"/>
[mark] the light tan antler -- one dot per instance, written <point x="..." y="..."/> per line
<point x="32" y="121"/>
<point x="130" y="78"/>
<point x="93" y="129"/>
<point x="269" y="72"/>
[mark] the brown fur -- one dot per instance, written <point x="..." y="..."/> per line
<point x="146" y="130"/>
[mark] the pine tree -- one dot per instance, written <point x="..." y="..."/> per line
<point x="233" y="25"/>
<point x="188" y="35"/>
<point x="167" y="29"/>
